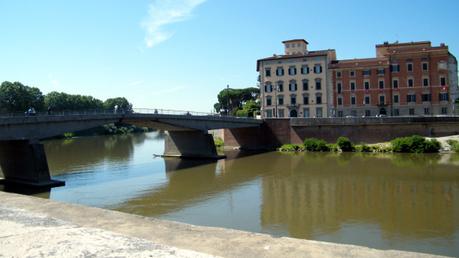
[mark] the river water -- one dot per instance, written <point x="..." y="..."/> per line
<point x="384" y="201"/>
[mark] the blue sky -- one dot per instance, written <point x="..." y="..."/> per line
<point x="178" y="54"/>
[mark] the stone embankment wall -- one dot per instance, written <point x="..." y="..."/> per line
<point x="275" y="132"/>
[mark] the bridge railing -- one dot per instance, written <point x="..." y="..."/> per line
<point x="171" y="112"/>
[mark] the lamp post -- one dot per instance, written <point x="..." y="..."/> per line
<point x="227" y="100"/>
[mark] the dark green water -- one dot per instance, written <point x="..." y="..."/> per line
<point x="405" y="202"/>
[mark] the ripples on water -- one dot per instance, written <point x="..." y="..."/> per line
<point x="386" y="201"/>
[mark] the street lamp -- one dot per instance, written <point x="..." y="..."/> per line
<point x="227" y="100"/>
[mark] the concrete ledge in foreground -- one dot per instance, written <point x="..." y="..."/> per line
<point x="30" y="223"/>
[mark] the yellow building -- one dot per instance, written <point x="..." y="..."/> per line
<point x="298" y="83"/>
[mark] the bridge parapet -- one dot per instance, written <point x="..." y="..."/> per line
<point x="372" y="120"/>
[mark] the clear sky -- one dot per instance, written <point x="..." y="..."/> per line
<point x="178" y="54"/>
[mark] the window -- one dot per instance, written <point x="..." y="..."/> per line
<point x="353" y="113"/>
<point x="293" y="100"/>
<point x="338" y="74"/>
<point x="280" y="100"/>
<point x="269" y="113"/>
<point x="442" y="81"/>
<point x="396" y="112"/>
<point x="396" y="98"/>
<point x="367" y="85"/>
<point x="382" y="100"/>
<point x="410" y="82"/>
<point x="292" y="86"/>
<point x="409" y="67"/>
<point x="426" y="97"/>
<point x="280" y="71"/>
<point x="304" y="69"/>
<point x="352" y="86"/>
<point x="425" y="82"/>
<point x="426" y="111"/>
<point x="319" y="99"/>
<point x="306" y="99"/>
<point x="411" y="111"/>
<point x="425" y="66"/>
<point x="381" y="84"/>
<point x="340" y="113"/>
<point x="280" y="86"/>
<point x="444" y="110"/>
<point x="305" y="85"/>
<point x="268" y="72"/>
<point x="411" y="98"/>
<point x="352" y="100"/>
<point x="318" y="85"/>
<point x="268" y="87"/>
<point x="292" y="70"/>
<point x="381" y="71"/>
<point x="367" y="100"/>
<point x="340" y="101"/>
<point x="395" y="83"/>
<point x="367" y="112"/>
<point x="319" y="112"/>
<point x="280" y="112"/>
<point x="443" y="96"/>
<point x="317" y="68"/>
<point x="306" y="112"/>
<point x="268" y="101"/>
<point x="366" y="72"/>
<point x="352" y="73"/>
<point x="338" y="87"/>
<point x="395" y="68"/>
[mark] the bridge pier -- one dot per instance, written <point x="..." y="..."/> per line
<point x="23" y="162"/>
<point x="190" y="144"/>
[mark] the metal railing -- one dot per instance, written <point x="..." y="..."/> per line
<point x="117" y="112"/>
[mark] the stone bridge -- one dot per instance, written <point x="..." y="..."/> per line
<point x="23" y="159"/>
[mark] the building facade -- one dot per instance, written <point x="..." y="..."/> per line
<point x="404" y="79"/>
<point x="298" y="83"/>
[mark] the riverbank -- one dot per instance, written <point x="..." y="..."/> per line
<point x="35" y="227"/>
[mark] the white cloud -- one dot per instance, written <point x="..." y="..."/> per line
<point x="164" y="12"/>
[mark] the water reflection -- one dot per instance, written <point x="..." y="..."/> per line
<point x="387" y="201"/>
<point x="79" y="153"/>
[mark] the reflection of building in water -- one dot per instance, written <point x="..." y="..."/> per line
<point x="321" y="196"/>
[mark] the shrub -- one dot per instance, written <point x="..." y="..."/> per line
<point x="454" y="145"/>
<point x="363" y="148"/>
<point x="69" y="135"/>
<point x="415" y="144"/>
<point x="345" y="144"/>
<point x="218" y="142"/>
<point x="333" y="147"/>
<point x="291" y="148"/>
<point x="313" y="144"/>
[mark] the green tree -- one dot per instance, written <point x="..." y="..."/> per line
<point x="16" y="97"/>
<point x="123" y="104"/>
<point x="249" y="109"/>
<point x="234" y="99"/>
<point x="60" y="101"/>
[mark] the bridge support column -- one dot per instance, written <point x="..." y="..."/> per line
<point x="190" y="144"/>
<point x="24" y="163"/>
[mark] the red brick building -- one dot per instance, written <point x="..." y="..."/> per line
<point x="404" y="79"/>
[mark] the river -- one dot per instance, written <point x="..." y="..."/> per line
<point x="384" y="201"/>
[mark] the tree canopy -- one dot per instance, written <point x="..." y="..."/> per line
<point x="16" y="97"/>
<point x="234" y="99"/>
